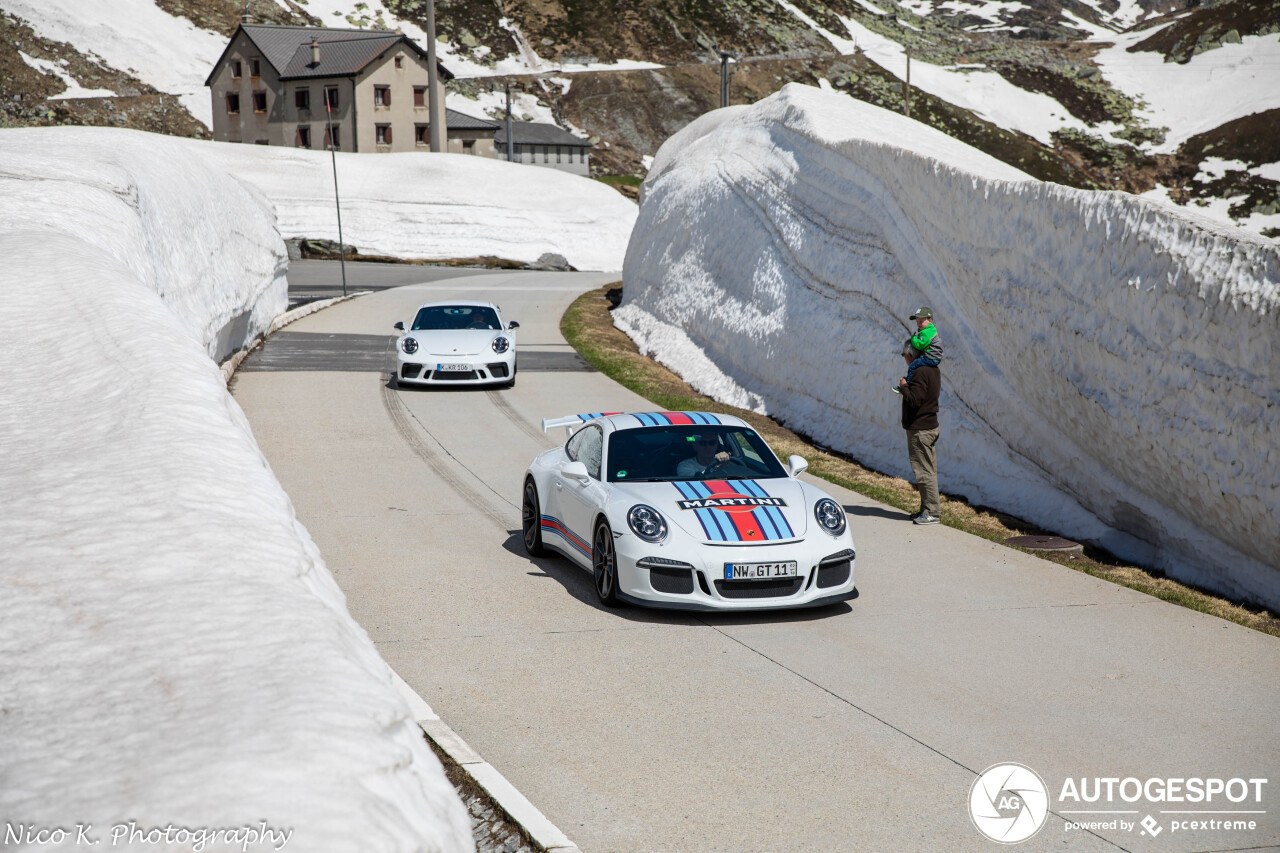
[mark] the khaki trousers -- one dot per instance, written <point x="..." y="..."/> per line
<point x="924" y="465"/>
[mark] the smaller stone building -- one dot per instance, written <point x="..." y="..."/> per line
<point x="544" y="145"/>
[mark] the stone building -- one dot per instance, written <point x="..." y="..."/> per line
<point x="544" y="145"/>
<point x="271" y="85"/>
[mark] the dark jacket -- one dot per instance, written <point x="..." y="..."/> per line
<point x="920" y="399"/>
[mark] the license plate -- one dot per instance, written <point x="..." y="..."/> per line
<point x="453" y="368"/>
<point x="758" y="571"/>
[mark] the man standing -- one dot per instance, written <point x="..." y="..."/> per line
<point x="920" y="420"/>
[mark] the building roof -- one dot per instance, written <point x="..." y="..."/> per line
<point x="537" y="133"/>
<point x="343" y="53"/>
<point x="455" y="120"/>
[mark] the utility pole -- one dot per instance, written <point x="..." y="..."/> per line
<point x="906" y="88"/>
<point x="725" y="58"/>
<point x="342" y="253"/>
<point x="510" y="143"/>
<point x="435" y="109"/>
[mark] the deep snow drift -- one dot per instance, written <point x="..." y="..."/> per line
<point x="414" y="205"/>
<point x="173" y="650"/>
<point x="1110" y="371"/>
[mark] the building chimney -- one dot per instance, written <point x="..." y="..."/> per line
<point x="315" y="52"/>
<point x="246" y="18"/>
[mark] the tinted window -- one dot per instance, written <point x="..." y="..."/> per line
<point x="689" y="453"/>
<point x="453" y="317"/>
<point x="585" y="447"/>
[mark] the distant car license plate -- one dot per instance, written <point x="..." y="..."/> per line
<point x="759" y="571"/>
<point x="452" y="368"/>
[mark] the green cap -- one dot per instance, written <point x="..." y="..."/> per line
<point x="921" y="314"/>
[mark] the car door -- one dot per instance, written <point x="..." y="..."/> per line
<point x="577" y="501"/>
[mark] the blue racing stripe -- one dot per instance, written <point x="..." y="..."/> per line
<point x="688" y="494"/>
<point x="717" y="519"/>
<point x="775" y="515"/>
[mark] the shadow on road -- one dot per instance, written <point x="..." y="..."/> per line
<point x="579" y="583"/>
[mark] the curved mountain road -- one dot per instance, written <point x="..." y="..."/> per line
<point x="860" y="726"/>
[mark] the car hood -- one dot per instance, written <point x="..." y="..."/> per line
<point x="460" y="342"/>
<point x="718" y="511"/>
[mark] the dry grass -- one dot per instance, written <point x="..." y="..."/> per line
<point x="588" y="326"/>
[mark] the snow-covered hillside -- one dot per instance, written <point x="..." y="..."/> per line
<point x="1111" y="370"/>
<point x="174" y="655"/>
<point x="437" y="206"/>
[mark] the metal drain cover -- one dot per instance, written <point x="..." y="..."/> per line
<point x="1046" y="543"/>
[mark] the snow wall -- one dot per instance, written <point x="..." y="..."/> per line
<point x="1110" y="371"/>
<point x="173" y="650"/>
<point x="414" y="205"/>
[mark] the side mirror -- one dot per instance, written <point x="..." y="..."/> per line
<point x="400" y="326"/>
<point x="513" y="325"/>
<point x="798" y="465"/>
<point x="576" y="471"/>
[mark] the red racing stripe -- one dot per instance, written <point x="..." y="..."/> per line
<point x="677" y="418"/>
<point x="743" y="522"/>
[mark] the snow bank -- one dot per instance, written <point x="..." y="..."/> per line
<point x="415" y="205"/>
<point x="174" y="656"/>
<point x="1110" y="371"/>
<point x="205" y="242"/>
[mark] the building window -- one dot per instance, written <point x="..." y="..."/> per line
<point x="259" y="102"/>
<point x="419" y="96"/>
<point x="255" y="68"/>
<point x="557" y="153"/>
<point x="382" y="96"/>
<point x="382" y="134"/>
<point x="468" y="146"/>
<point x="422" y="134"/>
<point x="399" y="62"/>
<point x="302" y="99"/>
<point x="261" y="142"/>
<point x="333" y="136"/>
<point x="546" y="153"/>
<point x="304" y="136"/>
<point x="233" y="104"/>
<point x="235" y="69"/>
<point x="331" y="97"/>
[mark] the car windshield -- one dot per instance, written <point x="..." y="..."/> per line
<point x="669" y="453"/>
<point x="456" y="317"/>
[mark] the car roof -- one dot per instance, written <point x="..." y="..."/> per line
<point x="633" y="420"/>
<point x="458" y="303"/>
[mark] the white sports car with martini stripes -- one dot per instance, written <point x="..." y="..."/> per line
<point x="686" y="510"/>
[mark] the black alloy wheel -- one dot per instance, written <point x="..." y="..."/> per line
<point x="604" y="563"/>
<point x="531" y="520"/>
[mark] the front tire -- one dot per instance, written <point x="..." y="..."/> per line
<point x="531" y="520"/>
<point x="604" y="564"/>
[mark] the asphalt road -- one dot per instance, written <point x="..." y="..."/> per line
<point x="860" y="726"/>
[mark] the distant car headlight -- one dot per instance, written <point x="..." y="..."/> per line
<point x="501" y="345"/>
<point x="830" y="516"/>
<point x="409" y="345"/>
<point x="647" y="523"/>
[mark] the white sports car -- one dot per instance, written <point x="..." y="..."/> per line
<point x="686" y="510"/>
<point x="457" y="343"/>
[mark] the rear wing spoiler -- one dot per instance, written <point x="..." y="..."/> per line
<point x="571" y="422"/>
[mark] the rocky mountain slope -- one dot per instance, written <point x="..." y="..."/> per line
<point x="574" y="62"/>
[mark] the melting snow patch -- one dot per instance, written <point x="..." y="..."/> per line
<point x="1111" y="369"/>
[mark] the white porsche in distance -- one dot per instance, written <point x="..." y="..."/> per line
<point x="457" y="343"/>
<point x="686" y="510"/>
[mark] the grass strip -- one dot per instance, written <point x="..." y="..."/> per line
<point x="588" y="327"/>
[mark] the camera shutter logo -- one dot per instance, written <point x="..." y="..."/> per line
<point x="1008" y="803"/>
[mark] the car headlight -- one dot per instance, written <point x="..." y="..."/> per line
<point x="647" y="523"/>
<point x="501" y="344"/>
<point x="409" y="345"/>
<point x="830" y="516"/>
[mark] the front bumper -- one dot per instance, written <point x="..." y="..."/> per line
<point x="693" y="578"/>
<point x="485" y="369"/>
